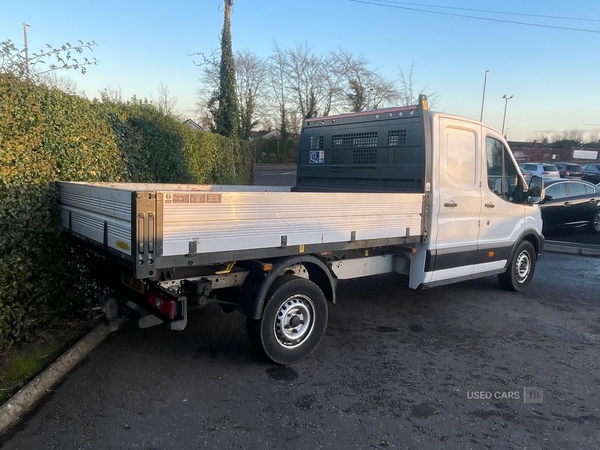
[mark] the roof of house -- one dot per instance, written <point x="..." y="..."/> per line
<point x="193" y="125"/>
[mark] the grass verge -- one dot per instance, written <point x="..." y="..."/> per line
<point x="19" y="365"/>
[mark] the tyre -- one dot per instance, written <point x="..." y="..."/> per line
<point x="293" y="322"/>
<point x="595" y="222"/>
<point x="520" y="270"/>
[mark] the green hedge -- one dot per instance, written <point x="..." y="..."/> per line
<point x="47" y="135"/>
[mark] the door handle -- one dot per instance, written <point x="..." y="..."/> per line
<point x="490" y="205"/>
<point x="593" y="201"/>
<point x="450" y="204"/>
<point x="567" y="204"/>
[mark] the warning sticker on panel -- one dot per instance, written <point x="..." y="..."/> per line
<point x="197" y="198"/>
<point x="317" y="157"/>
<point x="213" y="198"/>
<point x="181" y="198"/>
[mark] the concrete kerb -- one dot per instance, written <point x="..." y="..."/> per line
<point x="29" y="395"/>
<point x="572" y="248"/>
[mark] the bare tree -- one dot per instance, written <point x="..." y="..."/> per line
<point x="356" y="95"/>
<point x="251" y="85"/>
<point x="299" y="81"/>
<point x="573" y="135"/>
<point x="209" y="81"/>
<point x="383" y="93"/>
<point x="62" y="82"/>
<point x="409" y="94"/>
<point x="111" y="95"/>
<point x="541" y="136"/>
<point x="277" y="64"/>
<point x="166" y="102"/>
<point x="305" y="74"/>
<point x="556" y="136"/>
<point x="358" y="80"/>
<point x="593" y="137"/>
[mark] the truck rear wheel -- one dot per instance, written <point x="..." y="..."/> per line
<point x="293" y="321"/>
<point x="520" y="270"/>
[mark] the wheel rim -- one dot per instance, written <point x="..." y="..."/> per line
<point x="523" y="266"/>
<point x="597" y="222"/>
<point x="294" y="321"/>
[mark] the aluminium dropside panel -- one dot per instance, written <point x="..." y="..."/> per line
<point x="189" y="225"/>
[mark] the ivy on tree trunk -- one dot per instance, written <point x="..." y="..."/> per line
<point x="225" y="113"/>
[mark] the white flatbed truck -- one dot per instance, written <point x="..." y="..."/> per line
<point x="436" y="197"/>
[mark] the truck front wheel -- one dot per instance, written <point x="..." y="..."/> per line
<point x="293" y="321"/>
<point x="520" y="269"/>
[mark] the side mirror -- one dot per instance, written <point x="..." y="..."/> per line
<point x="536" y="192"/>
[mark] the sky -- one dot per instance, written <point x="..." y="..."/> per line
<point x="553" y="74"/>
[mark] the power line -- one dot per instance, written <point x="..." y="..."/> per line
<point x="476" y="17"/>
<point x="490" y="11"/>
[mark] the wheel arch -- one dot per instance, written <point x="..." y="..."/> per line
<point x="534" y="238"/>
<point x="257" y="284"/>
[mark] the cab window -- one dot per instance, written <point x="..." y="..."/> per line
<point x="501" y="172"/>
<point x="460" y="157"/>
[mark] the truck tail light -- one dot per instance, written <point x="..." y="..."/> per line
<point x="163" y="305"/>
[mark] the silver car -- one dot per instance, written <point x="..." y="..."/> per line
<point x="544" y="170"/>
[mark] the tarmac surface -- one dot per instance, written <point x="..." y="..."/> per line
<point x="462" y="366"/>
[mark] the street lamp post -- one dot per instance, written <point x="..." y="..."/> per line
<point x="25" y="25"/>
<point x="506" y="99"/>
<point x="483" y="96"/>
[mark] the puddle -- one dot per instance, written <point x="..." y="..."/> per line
<point x="554" y="331"/>
<point x="422" y="411"/>
<point x="282" y="373"/>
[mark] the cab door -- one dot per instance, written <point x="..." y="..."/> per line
<point x="454" y="253"/>
<point x="503" y="209"/>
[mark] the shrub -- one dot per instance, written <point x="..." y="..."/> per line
<point x="47" y="135"/>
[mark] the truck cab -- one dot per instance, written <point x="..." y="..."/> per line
<point x="480" y="208"/>
<point x="477" y="210"/>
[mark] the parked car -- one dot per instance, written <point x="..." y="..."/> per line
<point x="591" y="173"/>
<point x="571" y="203"/>
<point x="569" y="170"/>
<point x="544" y="170"/>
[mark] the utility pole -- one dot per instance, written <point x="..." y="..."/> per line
<point x="483" y="96"/>
<point x="25" y="25"/>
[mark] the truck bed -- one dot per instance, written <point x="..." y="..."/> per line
<point x="175" y="223"/>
